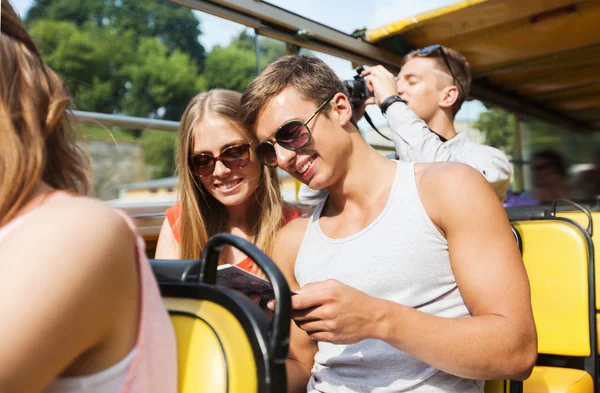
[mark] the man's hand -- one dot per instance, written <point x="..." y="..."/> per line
<point x="333" y="312"/>
<point x="381" y="82"/>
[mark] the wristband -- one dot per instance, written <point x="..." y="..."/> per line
<point x="389" y="101"/>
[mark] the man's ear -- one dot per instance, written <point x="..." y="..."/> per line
<point x="449" y="96"/>
<point x="342" y="109"/>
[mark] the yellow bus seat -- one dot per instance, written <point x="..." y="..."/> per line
<point x="225" y="342"/>
<point x="582" y="219"/>
<point x="558" y="380"/>
<point x="557" y="259"/>
<point x="215" y="352"/>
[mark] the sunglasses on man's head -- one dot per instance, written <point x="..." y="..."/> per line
<point x="293" y="135"/>
<point x="432" y="48"/>
<point x="233" y="157"/>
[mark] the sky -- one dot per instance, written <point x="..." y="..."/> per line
<point x="343" y="15"/>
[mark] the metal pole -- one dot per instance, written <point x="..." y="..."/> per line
<point x="519" y="181"/>
<point x="138" y="123"/>
<point x="257" y="51"/>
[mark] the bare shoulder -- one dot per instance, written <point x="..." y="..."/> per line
<point x="290" y="235"/>
<point x="81" y="227"/>
<point x="449" y="188"/>
<point x="449" y="180"/>
<point x="287" y="244"/>
<point x="448" y="171"/>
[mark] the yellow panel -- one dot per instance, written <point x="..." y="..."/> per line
<point x="558" y="380"/>
<point x="463" y="17"/>
<point x="241" y="364"/>
<point x="582" y="220"/>
<point x="496" y="386"/>
<point x="555" y="256"/>
<point x="200" y="359"/>
<point x="417" y="20"/>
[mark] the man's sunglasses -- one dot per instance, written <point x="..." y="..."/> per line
<point x="432" y="48"/>
<point x="233" y="157"/>
<point x="293" y="135"/>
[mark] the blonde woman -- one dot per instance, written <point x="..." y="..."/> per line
<point x="80" y="310"/>
<point x="223" y="185"/>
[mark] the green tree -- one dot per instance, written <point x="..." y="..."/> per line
<point x="159" y="153"/>
<point x="157" y="79"/>
<point x="174" y="25"/>
<point x="498" y="127"/>
<point x="79" y="12"/>
<point x="138" y="79"/>
<point x="234" y="66"/>
<point x="86" y="60"/>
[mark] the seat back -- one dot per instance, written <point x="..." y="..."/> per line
<point x="557" y="260"/>
<point x="582" y="219"/>
<point x="557" y="254"/>
<point x="225" y="342"/>
<point x="218" y="348"/>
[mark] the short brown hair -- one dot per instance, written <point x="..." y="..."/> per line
<point x="36" y="139"/>
<point x="313" y="79"/>
<point x="460" y="67"/>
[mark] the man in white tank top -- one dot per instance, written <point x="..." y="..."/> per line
<point x="408" y="275"/>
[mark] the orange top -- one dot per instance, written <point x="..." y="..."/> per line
<point x="173" y="214"/>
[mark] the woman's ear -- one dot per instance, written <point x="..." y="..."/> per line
<point x="342" y="108"/>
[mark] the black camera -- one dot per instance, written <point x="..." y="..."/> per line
<point x="357" y="88"/>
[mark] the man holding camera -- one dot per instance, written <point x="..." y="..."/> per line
<point x="420" y="108"/>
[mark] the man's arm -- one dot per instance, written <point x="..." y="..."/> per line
<point x="302" y="348"/>
<point x="414" y="141"/>
<point x="498" y="341"/>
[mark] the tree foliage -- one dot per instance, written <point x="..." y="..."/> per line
<point x="233" y="67"/>
<point x="140" y="58"/>
<point x="174" y="25"/>
<point x="122" y="56"/>
<point x="159" y="153"/>
<point x="498" y="127"/>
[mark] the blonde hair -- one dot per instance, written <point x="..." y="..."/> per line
<point x="201" y="214"/>
<point x="36" y="139"/>
<point x="460" y="67"/>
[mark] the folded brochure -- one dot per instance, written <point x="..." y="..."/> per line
<point x="234" y="277"/>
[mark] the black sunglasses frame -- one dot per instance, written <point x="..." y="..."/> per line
<point x="295" y="121"/>
<point x="218" y="158"/>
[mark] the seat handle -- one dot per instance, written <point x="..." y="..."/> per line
<point x="206" y="271"/>
<point x="558" y="201"/>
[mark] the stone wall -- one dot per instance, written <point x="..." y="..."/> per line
<point x="115" y="165"/>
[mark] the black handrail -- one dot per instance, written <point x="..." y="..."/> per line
<point x="205" y="271"/>
<point x="558" y="201"/>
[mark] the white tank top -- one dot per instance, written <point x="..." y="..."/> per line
<point x="401" y="257"/>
